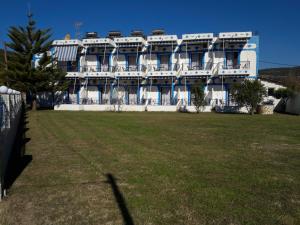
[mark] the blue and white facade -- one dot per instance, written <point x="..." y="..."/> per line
<point x="157" y="71"/>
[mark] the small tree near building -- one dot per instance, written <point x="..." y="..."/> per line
<point x="198" y="98"/>
<point x="249" y="94"/>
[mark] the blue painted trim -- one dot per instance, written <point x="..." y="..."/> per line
<point x="203" y="59"/>
<point x="158" y="95"/>
<point x="126" y="60"/>
<point x="78" y="64"/>
<point x="257" y="55"/>
<point x="126" y="95"/>
<point x="78" y="94"/>
<point x="111" y="86"/>
<point x="158" y="60"/>
<point x="172" y="92"/>
<point x="138" y="87"/>
<point x="226" y="93"/>
<point x="98" y="62"/>
<point x="99" y="94"/>
<point x="189" y="94"/>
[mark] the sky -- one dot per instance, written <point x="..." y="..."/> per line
<point x="276" y="22"/>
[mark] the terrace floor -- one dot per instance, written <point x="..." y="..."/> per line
<point x="157" y="168"/>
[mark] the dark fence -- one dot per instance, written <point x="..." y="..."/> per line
<point x="10" y="115"/>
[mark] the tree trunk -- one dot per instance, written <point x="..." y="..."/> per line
<point x="33" y="102"/>
<point x="33" y="105"/>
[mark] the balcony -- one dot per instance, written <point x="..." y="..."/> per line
<point x="196" y="70"/>
<point x="162" y="70"/>
<point x="242" y="68"/>
<point x="128" y="71"/>
<point x="102" y="71"/>
<point x="71" y="70"/>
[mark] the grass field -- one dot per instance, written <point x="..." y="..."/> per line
<point x="157" y="168"/>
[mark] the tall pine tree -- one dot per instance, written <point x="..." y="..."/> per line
<point x="21" y="74"/>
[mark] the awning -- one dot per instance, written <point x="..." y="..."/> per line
<point x="66" y="53"/>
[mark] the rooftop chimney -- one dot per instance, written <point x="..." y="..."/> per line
<point x="89" y="35"/>
<point x="137" y="33"/>
<point x="114" y="34"/>
<point x="158" y="32"/>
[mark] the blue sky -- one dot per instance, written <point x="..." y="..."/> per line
<point x="277" y="22"/>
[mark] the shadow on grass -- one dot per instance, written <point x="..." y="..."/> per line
<point x="18" y="160"/>
<point x="120" y="200"/>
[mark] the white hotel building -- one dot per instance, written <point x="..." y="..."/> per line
<point x="157" y="72"/>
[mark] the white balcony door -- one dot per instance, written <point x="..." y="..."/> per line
<point x="92" y="94"/>
<point x="164" y="62"/>
<point x="72" y="95"/>
<point x="104" y="63"/>
<point x="132" y="63"/>
<point x="132" y="95"/>
<point x="196" y="61"/>
<point x="165" y="96"/>
<point x="232" y="60"/>
<point x="105" y="95"/>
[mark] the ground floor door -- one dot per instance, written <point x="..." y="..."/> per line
<point x="72" y="95"/>
<point x="105" y="95"/>
<point x="92" y="95"/>
<point x="132" y="95"/>
<point x="165" y="96"/>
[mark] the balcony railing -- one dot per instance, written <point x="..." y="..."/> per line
<point x="163" y="67"/>
<point x="68" y="68"/>
<point x="214" y="67"/>
<point x="244" y="65"/>
<point x="102" y="68"/>
<point x="192" y="67"/>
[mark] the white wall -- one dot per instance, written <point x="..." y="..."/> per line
<point x="251" y="57"/>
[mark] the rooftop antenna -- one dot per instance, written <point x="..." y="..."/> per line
<point x="77" y="26"/>
<point x="29" y="13"/>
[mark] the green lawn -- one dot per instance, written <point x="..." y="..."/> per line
<point x="166" y="168"/>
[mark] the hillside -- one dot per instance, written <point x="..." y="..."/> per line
<point x="282" y="75"/>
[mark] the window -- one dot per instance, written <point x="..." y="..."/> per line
<point x="196" y="61"/>
<point x="232" y="60"/>
<point x="164" y="62"/>
<point x="132" y="63"/>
